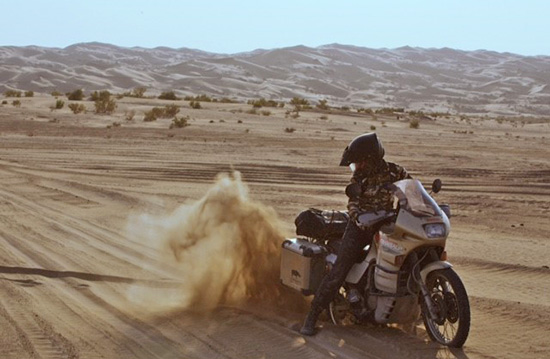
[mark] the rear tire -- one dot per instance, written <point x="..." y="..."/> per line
<point x="452" y="325"/>
<point x="339" y="309"/>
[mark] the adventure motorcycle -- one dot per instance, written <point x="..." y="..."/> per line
<point x="404" y="273"/>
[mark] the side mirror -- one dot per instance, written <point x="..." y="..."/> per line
<point x="436" y="185"/>
<point x="353" y="190"/>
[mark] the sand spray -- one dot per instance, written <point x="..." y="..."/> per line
<point x="225" y="247"/>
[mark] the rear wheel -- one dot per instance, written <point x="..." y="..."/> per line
<point x="339" y="309"/>
<point x="452" y="323"/>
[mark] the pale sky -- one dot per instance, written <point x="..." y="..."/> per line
<point x="519" y="26"/>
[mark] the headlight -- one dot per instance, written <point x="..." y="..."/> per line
<point x="436" y="230"/>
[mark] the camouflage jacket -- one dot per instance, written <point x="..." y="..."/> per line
<point x="374" y="195"/>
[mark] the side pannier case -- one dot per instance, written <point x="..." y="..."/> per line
<point x="302" y="265"/>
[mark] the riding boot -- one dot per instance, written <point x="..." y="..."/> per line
<point x="309" y="324"/>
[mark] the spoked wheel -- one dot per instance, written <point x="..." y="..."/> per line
<point x="339" y="309"/>
<point x="452" y="323"/>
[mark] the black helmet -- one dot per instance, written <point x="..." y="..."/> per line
<point x="365" y="147"/>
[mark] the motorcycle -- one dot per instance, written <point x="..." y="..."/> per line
<point x="402" y="276"/>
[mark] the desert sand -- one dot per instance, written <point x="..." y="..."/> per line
<point x="122" y="241"/>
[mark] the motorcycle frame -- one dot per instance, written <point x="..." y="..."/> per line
<point x="388" y="253"/>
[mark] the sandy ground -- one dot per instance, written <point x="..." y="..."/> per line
<point x="70" y="264"/>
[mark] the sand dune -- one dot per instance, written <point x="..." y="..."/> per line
<point x="420" y="79"/>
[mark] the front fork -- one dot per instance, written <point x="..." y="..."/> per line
<point x="433" y="310"/>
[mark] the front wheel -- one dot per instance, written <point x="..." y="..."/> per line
<point x="452" y="324"/>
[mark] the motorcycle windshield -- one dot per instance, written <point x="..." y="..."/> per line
<point x="417" y="200"/>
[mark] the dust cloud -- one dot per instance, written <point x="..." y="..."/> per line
<point x="225" y="247"/>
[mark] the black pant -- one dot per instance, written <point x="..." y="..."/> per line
<point x="353" y="241"/>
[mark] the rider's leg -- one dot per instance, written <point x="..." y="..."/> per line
<point x="354" y="240"/>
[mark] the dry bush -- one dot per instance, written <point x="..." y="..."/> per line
<point x="58" y="105"/>
<point x="180" y="122"/>
<point x="77" y="108"/>
<point x="195" y="105"/>
<point x="138" y="92"/>
<point x="170" y="95"/>
<point x="262" y="102"/>
<point x="300" y="103"/>
<point x="150" y="116"/>
<point x="76" y="95"/>
<point x="12" y="93"/>
<point x="171" y="111"/>
<point x="103" y="102"/>
<point x="323" y="105"/>
<point x="200" y="98"/>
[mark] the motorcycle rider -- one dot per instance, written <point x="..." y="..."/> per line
<point x="364" y="155"/>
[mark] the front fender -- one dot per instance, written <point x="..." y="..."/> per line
<point x="432" y="267"/>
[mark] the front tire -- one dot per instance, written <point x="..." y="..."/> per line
<point x="452" y="325"/>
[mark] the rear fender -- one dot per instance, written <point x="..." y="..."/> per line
<point x="432" y="267"/>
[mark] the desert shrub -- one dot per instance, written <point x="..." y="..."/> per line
<point x="290" y="129"/>
<point x="58" y="105"/>
<point x="16" y="103"/>
<point x="368" y="111"/>
<point x="372" y="127"/>
<point x="138" y="92"/>
<point x="76" y="95"/>
<point x="266" y="113"/>
<point x="77" y="108"/>
<point x="129" y="115"/>
<point x="262" y="102"/>
<point x="29" y="93"/>
<point x="252" y="111"/>
<point x="323" y="117"/>
<point x="94" y="96"/>
<point x="414" y="123"/>
<point x="149" y="116"/>
<point x="170" y="95"/>
<point x="345" y="108"/>
<point x="417" y="113"/>
<point x="300" y="103"/>
<point x="56" y="93"/>
<point x="171" y="111"/>
<point x="12" y="93"/>
<point x="322" y="105"/>
<point x="103" y="102"/>
<point x="180" y="122"/>
<point x="200" y="98"/>
<point x="227" y="100"/>
<point x="195" y="104"/>
<point x="4" y="102"/>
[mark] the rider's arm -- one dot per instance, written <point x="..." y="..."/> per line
<point x="398" y="172"/>
<point x="353" y="203"/>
